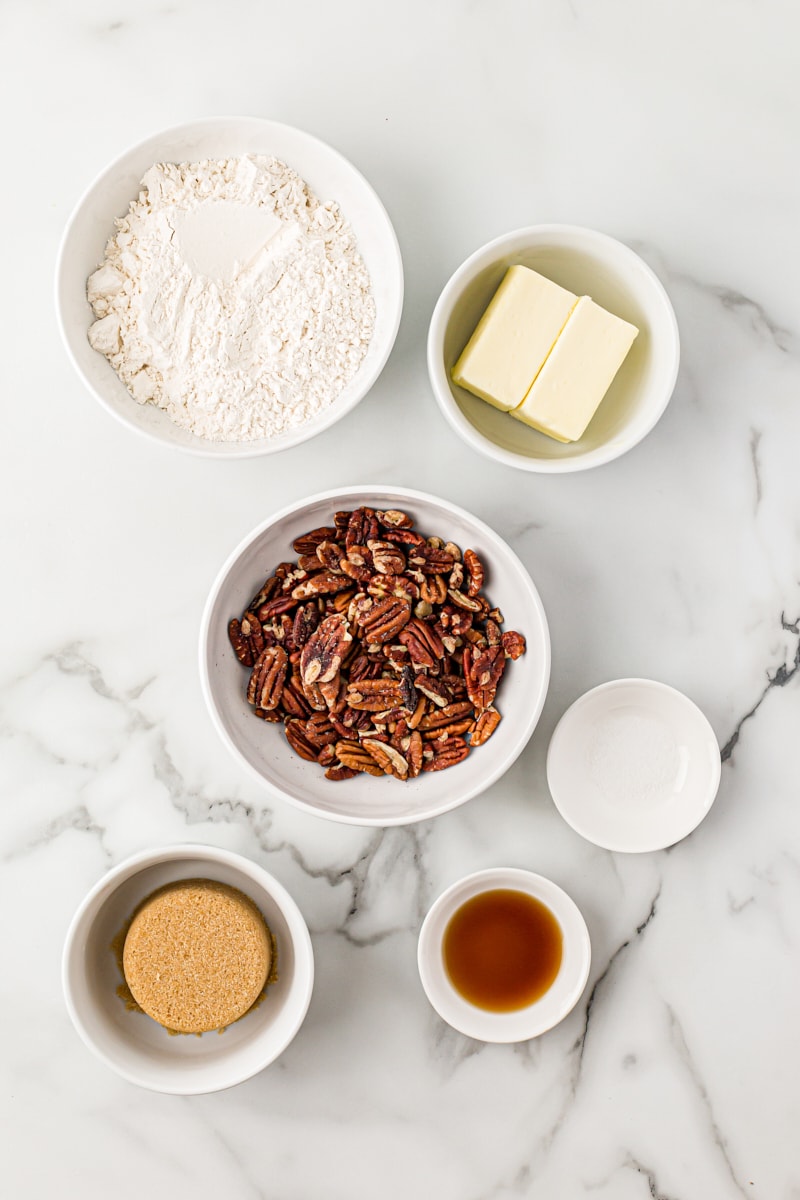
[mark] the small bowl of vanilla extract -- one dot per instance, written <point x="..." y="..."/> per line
<point x="504" y="955"/>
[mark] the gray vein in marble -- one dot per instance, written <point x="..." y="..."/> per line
<point x="755" y="441"/>
<point x="195" y="806"/>
<point x="580" y="1044"/>
<point x="678" y="1039"/>
<point x="547" y="1140"/>
<point x="756" y="316"/>
<point x="247" y="1186"/>
<point x="450" y="1049"/>
<point x="783" y="675"/>
<point x="78" y="819"/>
<point x="653" y="1189"/>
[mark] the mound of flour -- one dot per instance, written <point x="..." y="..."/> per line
<point x="232" y="298"/>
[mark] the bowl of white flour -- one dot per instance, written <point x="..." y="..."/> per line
<point x="230" y="287"/>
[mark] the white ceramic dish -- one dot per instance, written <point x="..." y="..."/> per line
<point x="135" y="1046"/>
<point x="524" y="1023"/>
<point x="588" y="263"/>
<point x="366" y="800"/>
<point x="633" y="765"/>
<point x="330" y="176"/>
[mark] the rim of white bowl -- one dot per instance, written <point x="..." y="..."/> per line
<point x="301" y="941"/>
<point x="555" y="747"/>
<point x="366" y="490"/>
<point x="519" y="1024"/>
<point x="234" y="450"/>
<point x="441" y="389"/>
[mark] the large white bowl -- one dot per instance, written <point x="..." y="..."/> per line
<point x="588" y="263"/>
<point x="135" y="1046"/>
<point x="329" y="175"/>
<point x="263" y="749"/>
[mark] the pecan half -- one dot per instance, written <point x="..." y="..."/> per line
<point x="482" y="671"/>
<point x="353" y="755"/>
<point x="401" y="586"/>
<point x="423" y="642"/>
<point x="268" y="591"/>
<point x="274" y="608"/>
<point x="485" y="726"/>
<point x="324" y="583"/>
<point x="513" y="644"/>
<point x="438" y="691"/>
<point x="462" y="601"/>
<point x="330" y="555"/>
<point x="430" y="560"/>
<point x="443" y="718"/>
<point x="306" y="620"/>
<point x="361" y="528"/>
<point x="297" y="739"/>
<point x="293" y="699"/>
<point x="322" y="654"/>
<point x="414" y="754"/>
<point x="384" y="619"/>
<point x="392" y="518"/>
<point x="387" y="558"/>
<point x="266" y="681"/>
<point x="375" y="695"/>
<point x="446" y="753"/>
<point x="307" y="542"/>
<point x="433" y="589"/>
<point x="385" y="755"/>
<point x="247" y="638"/>
<point x="475" y="568"/>
<point x="339" y="773"/>
<point x="309" y="563"/>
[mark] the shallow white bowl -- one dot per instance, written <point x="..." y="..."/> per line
<point x="263" y="749"/>
<point x="560" y="998"/>
<point x="329" y="175"/>
<point x="633" y="765"/>
<point x="135" y="1046"/>
<point x="588" y="263"/>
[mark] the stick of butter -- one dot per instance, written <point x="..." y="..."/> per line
<point x="578" y="372"/>
<point x="513" y="338"/>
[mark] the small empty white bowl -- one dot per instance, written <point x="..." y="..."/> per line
<point x="262" y="748"/>
<point x="330" y="176"/>
<point x="588" y="263"/>
<point x="523" y="1023"/>
<point x="633" y="765"/>
<point x="137" y="1047"/>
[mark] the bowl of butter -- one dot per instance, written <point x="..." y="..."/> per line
<point x="553" y="348"/>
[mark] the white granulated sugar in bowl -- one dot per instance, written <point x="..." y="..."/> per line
<point x="232" y="298"/>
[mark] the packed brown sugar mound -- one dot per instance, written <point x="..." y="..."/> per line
<point x="197" y="955"/>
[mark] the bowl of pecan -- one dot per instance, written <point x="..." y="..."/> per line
<point x="375" y="656"/>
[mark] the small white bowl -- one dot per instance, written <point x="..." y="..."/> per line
<point x="633" y="765"/>
<point x="588" y="263"/>
<point x="262" y="748"/>
<point x="135" y="1046"/>
<point x="524" y="1023"/>
<point x="329" y="175"/>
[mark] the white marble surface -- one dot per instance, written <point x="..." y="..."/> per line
<point x="673" y="127"/>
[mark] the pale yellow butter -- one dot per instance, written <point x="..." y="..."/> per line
<point x="578" y="372"/>
<point x="513" y="338"/>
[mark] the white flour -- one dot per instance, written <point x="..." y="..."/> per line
<point x="232" y="298"/>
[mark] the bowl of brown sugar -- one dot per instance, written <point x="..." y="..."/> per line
<point x="188" y="969"/>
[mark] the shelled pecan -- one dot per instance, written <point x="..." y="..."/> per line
<point x="376" y="648"/>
